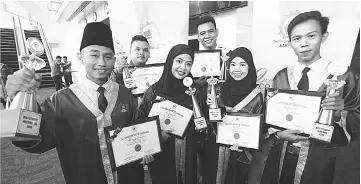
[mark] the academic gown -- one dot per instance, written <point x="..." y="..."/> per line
<point x="321" y="161"/>
<point x="71" y="128"/>
<point x="165" y="167"/>
<point x="233" y="169"/>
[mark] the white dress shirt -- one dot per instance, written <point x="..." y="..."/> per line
<point x="91" y="89"/>
<point x="316" y="76"/>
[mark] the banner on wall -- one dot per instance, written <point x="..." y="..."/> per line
<point x="271" y="50"/>
<point x="164" y="24"/>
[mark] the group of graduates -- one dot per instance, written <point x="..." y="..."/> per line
<point x="75" y="120"/>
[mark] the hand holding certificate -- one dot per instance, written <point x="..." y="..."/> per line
<point x="241" y="129"/>
<point x="134" y="142"/>
<point x="294" y="110"/>
<point x="173" y="117"/>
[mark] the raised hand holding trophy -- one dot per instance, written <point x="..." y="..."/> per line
<point x="214" y="110"/>
<point x="21" y="120"/>
<point x="323" y="128"/>
<point x="199" y="120"/>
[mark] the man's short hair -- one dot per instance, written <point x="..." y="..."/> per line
<point x="303" y="17"/>
<point x="65" y="57"/>
<point x="139" y="38"/>
<point x="58" y="57"/>
<point x="205" y="19"/>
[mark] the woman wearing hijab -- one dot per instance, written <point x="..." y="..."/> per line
<point x="177" y="163"/>
<point x="230" y="164"/>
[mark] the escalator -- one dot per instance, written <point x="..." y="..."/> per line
<point x="8" y="52"/>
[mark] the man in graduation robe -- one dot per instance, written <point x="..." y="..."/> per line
<point x="76" y="120"/>
<point x="297" y="159"/>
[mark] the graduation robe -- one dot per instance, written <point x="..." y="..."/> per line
<point x="234" y="167"/>
<point x="167" y="164"/>
<point x="71" y="128"/>
<point x="318" y="164"/>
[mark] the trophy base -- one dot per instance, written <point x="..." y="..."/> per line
<point x="130" y="83"/>
<point x="20" y="124"/>
<point x="322" y="132"/>
<point x="200" y="123"/>
<point x="215" y="115"/>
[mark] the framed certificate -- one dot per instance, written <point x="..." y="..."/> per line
<point x="206" y="62"/>
<point x="132" y="143"/>
<point x="293" y="109"/>
<point x="145" y="77"/>
<point x="173" y="117"/>
<point x="240" y="128"/>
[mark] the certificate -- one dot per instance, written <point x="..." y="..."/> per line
<point x="134" y="142"/>
<point x="240" y="128"/>
<point x="292" y="109"/>
<point x="146" y="76"/>
<point x="173" y="117"/>
<point x="206" y="63"/>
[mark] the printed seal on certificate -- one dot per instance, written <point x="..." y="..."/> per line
<point x="132" y="143"/>
<point x="293" y="109"/>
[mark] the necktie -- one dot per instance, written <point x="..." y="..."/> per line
<point x="303" y="84"/>
<point x="102" y="101"/>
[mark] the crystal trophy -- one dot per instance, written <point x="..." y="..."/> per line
<point x="324" y="126"/>
<point x="21" y="120"/>
<point x="199" y="120"/>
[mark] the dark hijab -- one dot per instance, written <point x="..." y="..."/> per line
<point x="235" y="91"/>
<point x="168" y="84"/>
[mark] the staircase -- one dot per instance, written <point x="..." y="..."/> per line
<point x="8" y="52"/>
<point x="47" y="80"/>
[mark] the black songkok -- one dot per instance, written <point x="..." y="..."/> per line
<point x="97" y="33"/>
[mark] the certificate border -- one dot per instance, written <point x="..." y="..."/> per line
<point x="135" y="122"/>
<point x="210" y="51"/>
<point x="261" y="122"/>
<point x="296" y="92"/>
<point x="170" y="99"/>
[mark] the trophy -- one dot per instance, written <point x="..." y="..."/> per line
<point x="214" y="110"/>
<point x="323" y="127"/>
<point x="199" y="120"/>
<point x="20" y="120"/>
<point x="224" y="59"/>
<point x="128" y="79"/>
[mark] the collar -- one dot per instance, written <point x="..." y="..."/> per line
<point x="316" y="66"/>
<point x="85" y="82"/>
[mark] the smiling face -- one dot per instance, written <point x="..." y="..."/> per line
<point x="139" y="52"/>
<point x="306" y="40"/>
<point x="182" y="65"/>
<point x="98" y="62"/>
<point x="238" y="68"/>
<point x="207" y="35"/>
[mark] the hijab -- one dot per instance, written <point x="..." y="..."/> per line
<point x="235" y="91"/>
<point x="168" y="84"/>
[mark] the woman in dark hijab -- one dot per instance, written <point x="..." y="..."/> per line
<point x="230" y="164"/>
<point x="177" y="163"/>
